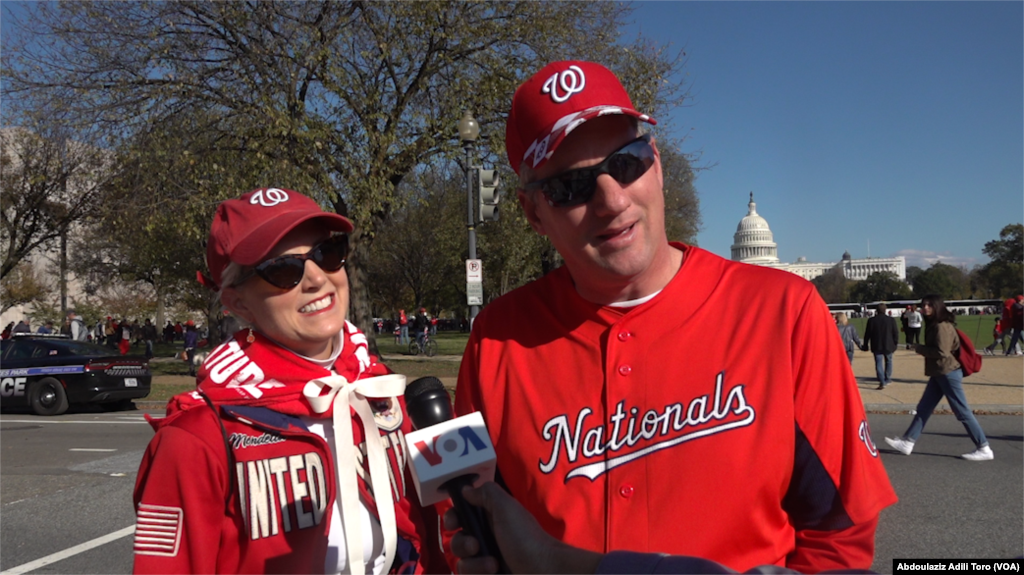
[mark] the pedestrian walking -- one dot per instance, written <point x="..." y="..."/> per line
<point x="882" y="336"/>
<point x="403" y="323"/>
<point x="945" y="378"/>
<point x="149" y="336"/>
<point x="914" y="320"/>
<point x="1017" y="323"/>
<point x="78" y="330"/>
<point x="998" y="337"/>
<point x="125" y="330"/>
<point x="849" y="334"/>
<point x="191" y="339"/>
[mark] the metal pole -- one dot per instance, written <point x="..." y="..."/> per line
<point x="470" y="220"/>
<point x="64" y="273"/>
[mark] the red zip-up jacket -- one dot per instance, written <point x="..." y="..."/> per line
<point x="262" y="507"/>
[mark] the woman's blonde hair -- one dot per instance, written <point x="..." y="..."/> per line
<point x="841" y="318"/>
<point x="228" y="277"/>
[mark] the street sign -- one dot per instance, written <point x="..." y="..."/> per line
<point x="474" y="271"/>
<point x="474" y="293"/>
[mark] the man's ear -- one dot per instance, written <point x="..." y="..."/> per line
<point x="232" y="299"/>
<point x="657" y="165"/>
<point x="526" y="200"/>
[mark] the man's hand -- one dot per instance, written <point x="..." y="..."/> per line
<point x="526" y="547"/>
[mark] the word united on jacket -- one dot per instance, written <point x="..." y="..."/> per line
<point x="655" y="430"/>
<point x="279" y="494"/>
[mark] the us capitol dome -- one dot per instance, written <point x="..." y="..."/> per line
<point x="753" y="244"/>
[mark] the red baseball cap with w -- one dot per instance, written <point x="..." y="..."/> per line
<point x="246" y="229"/>
<point x="554" y="101"/>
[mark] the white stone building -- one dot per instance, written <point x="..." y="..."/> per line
<point x="753" y="244"/>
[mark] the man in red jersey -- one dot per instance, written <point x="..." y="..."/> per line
<point x="621" y="417"/>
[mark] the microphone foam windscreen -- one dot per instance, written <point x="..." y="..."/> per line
<point x="423" y="385"/>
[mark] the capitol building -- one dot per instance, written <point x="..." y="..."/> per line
<point x="753" y="244"/>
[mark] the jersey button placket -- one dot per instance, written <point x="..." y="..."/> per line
<point x="626" y="491"/>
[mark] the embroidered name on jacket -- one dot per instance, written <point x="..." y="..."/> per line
<point x="653" y="431"/>
<point x="241" y="440"/>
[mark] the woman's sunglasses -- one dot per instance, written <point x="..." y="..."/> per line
<point x="286" y="271"/>
<point x="576" y="187"/>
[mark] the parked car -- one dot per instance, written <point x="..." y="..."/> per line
<point x="50" y="372"/>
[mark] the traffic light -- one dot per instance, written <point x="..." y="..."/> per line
<point x="488" y="198"/>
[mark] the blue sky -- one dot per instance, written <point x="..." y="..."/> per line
<point x="898" y="125"/>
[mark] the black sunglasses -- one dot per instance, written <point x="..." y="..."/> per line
<point x="286" y="271"/>
<point x="576" y="187"/>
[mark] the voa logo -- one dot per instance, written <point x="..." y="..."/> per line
<point x="451" y="445"/>
<point x="12" y="387"/>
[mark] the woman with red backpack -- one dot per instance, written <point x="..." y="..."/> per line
<point x="945" y="378"/>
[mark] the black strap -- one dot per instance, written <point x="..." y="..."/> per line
<point x="227" y="448"/>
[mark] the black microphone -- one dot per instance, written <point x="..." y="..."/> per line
<point x="427" y="402"/>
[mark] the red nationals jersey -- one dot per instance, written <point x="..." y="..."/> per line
<point x="720" y="419"/>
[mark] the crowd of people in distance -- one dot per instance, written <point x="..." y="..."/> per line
<point x="124" y="334"/>
<point x="403" y="324"/>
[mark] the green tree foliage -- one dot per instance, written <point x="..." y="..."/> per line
<point x="912" y="273"/>
<point x="833" y="287"/>
<point x="948" y="281"/>
<point x="880" y="286"/>
<point x="155" y="223"/>
<point x="415" y="259"/>
<point x="354" y="95"/>
<point x="682" y="206"/>
<point x="49" y="183"/>
<point x="23" y="285"/>
<point x="1004" y="274"/>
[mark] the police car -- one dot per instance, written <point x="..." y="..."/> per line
<point x="48" y="373"/>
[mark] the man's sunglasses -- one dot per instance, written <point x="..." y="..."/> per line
<point x="286" y="271"/>
<point x="576" y="187"/>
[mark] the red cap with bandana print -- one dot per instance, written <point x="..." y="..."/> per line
<point x="246" y="229"/>
<point x="556" y="100"/>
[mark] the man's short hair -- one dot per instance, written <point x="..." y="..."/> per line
<point x="880" y="308"/>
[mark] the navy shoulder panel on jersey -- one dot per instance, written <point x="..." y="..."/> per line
<point x="812" y="500"/>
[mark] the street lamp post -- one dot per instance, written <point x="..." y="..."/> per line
<point x="469" y="131"/>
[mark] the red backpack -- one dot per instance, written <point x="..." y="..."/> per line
<point x="970" y="361"/>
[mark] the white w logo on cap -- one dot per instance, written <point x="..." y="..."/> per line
<point x="570" y="81"/>
<point x="269" y="197"/>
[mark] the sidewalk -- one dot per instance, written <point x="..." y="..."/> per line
<point x="997" y="389"/>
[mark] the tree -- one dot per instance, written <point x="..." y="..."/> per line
<point x="23" y="285"/>
<point x="948" y="281"/>
<point x="417" y="254"/>
<point x="682" y="206"/>
<point x="833" y="287"/>
<point x="1004" y="274"/>
<point x="49" y="183"/>
<point x="912" y="273"/>
<point x="879" y="286"/>
<point x="159" y="209"/>
<point x="356" y="95"/>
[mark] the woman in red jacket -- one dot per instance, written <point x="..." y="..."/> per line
<point x="289" y="457"/>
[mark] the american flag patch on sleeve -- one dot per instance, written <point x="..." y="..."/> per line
<point x="157" y="530"/>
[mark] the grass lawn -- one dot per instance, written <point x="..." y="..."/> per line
<point x="977" y="327"/>
<point x="398" y="359"/>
